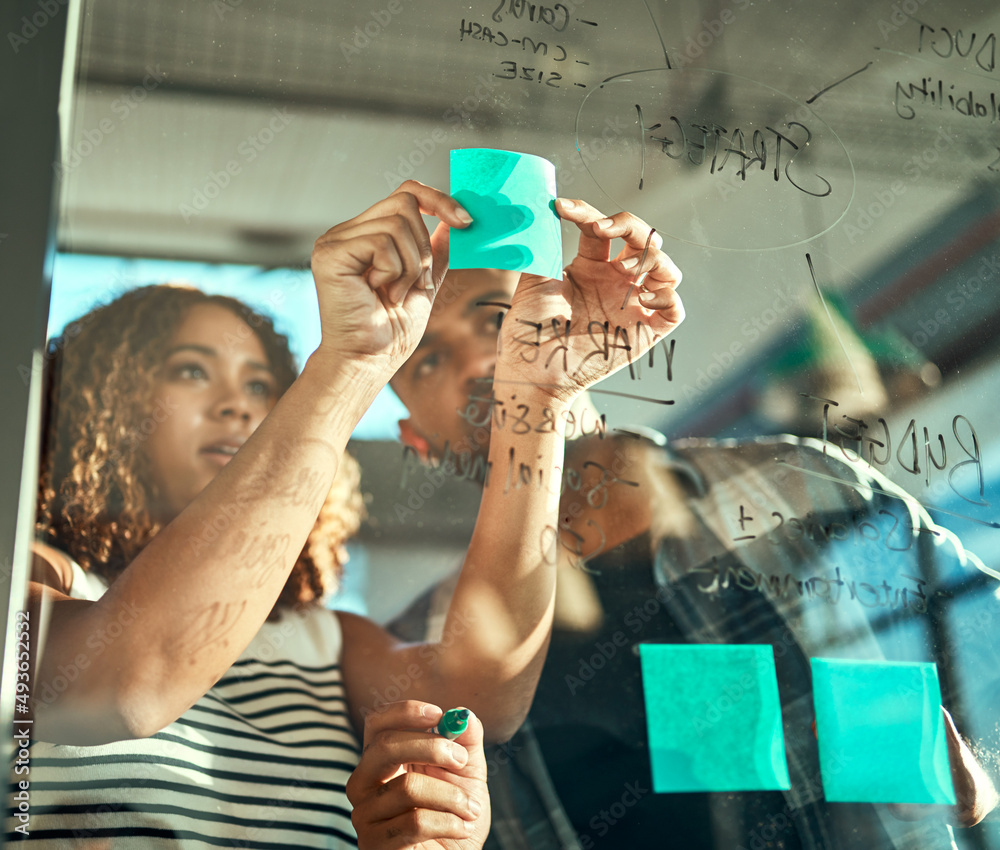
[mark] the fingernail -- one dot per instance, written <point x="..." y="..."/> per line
<point x="427" y="280"/>
<point x="604" y="222"/>
<point x="459" y="755"/>
<point x="475" y="808"/>
<point x="646" y="297"/>
<point x="463" y="215"/>
<point x="630" y="262"/>
<point x="568" y="204"/>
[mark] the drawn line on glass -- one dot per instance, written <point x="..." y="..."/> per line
<point x="642" y="146"/>
<point x="589" y="390"/>
<point x="938" y="64"/>
<point x="642" y="164"/>
<point x="844" y="80"/>
<point x="833" y="324"/>
<point x="901" y="496"/>
<point x="634" y="397"/>
<point x="642" y="260"/>
<point x="625" y="77"/>
<point x="666" y="58"/>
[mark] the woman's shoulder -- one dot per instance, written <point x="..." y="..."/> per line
<point x="51" y="567"/>
<point x="54" y="568"/>
<point x="310" y="635"/>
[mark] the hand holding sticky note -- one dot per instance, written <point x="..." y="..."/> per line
<point x="881" y="733"/>
<point x="511" y="198"/>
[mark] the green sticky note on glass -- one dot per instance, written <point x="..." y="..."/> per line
<point x="511" y="198"/>
<point x="881" y="732"/>
<point x="714" y="718"/>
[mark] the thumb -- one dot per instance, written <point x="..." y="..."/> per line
<point x="472" y="739"/>
<point x="440" y="241"/>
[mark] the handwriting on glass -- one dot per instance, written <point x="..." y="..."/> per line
<point x="534" y="55"/>
<point x="937" y="93"/>
<point x="916" y="455"/>
<point x="701" y="143"/>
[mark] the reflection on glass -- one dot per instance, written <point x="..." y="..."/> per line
<point x="826" y="469"/>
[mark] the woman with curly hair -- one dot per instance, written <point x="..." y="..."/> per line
<point x="194" y="498"/>
<point x="99" y="501"/>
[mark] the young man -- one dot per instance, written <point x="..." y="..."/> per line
<point x="778" y="541"/>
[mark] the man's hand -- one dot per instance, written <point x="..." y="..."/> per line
<point x="416" y="789"/>
<point x="975" y="795"/>
<point x="564" y="335"/>
<point x="377" y="273"/>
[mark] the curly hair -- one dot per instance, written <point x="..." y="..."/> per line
<point x="94" y="487"/>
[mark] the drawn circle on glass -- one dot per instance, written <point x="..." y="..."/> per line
<point x="715" y="159"/>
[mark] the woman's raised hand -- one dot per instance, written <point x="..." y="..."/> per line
<point x="377" y="273"/>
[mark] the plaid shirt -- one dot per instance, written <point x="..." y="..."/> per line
<point x="778" y="541"/>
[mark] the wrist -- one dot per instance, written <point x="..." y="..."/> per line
<point x="556" y="397"/>
<point x="344" y="385"/>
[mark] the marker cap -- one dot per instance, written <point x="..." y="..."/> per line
<point x="454" y="722"/>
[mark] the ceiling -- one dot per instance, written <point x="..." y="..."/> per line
<point x="210" y="74"/>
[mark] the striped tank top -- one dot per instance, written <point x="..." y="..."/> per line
<point x="261" y="761"/>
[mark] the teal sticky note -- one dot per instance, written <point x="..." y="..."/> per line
<point x="714" y="718"/>
<point x="511" y="198"/>
<point x="881" y="732"/>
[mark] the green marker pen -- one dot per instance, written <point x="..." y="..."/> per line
<point x="454" y="722"/>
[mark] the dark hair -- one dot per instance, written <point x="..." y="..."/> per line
<point x="94" y="487"/>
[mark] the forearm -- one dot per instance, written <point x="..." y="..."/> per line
<point x="504" y="600"/>
<point x="203" y="586"/>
